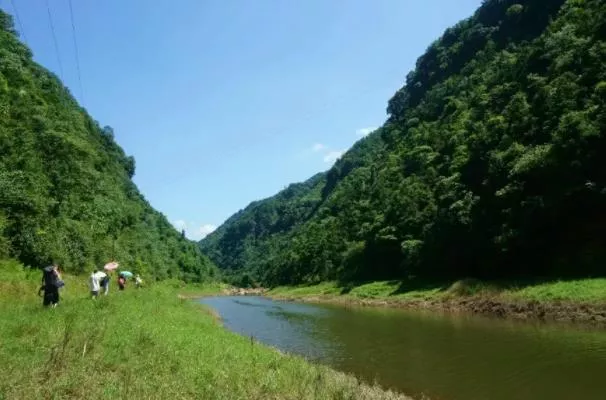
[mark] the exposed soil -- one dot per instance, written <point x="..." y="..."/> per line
<point x="588" y="314"/>
<point x="577" y="313"/>
<point x="244" y="291"/>
<point x="233" y="291"/>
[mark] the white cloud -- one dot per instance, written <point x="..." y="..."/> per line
<point x="192" y="230"/>
<point x="206" y="230"/>
<point x="318" y="147"/>
<point x="332" y="156"/>
<point x="365" y="131"/>
<point x="180" y="224"/>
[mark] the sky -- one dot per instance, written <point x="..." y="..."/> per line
<point x="223" y="102"/>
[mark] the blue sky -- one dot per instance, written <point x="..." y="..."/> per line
<point x="223" y="102"/>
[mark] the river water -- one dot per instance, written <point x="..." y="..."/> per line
<point x="419" y="353"/>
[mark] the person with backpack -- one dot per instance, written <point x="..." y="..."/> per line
<point x="51" y="282"/>
<point x="104" y="283"/>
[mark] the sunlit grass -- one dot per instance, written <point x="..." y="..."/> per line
<point x="584" y="290"/>
<point x="143" y="344"/>
<point x="373" y="290"/>
<point x="324" y="288"/>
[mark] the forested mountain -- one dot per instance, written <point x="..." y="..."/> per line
<point x="66" y="192"/>
<point x="492" y="164"/>
<point x="241" y="239"/>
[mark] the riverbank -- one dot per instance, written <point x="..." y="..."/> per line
<point x="580" y="301"/>
<point x="143" y="344"/>
<point x="189" y="291"/>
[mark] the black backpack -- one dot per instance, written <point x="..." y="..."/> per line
<point x="49" y="277"/>
<point x="104" y="281"/>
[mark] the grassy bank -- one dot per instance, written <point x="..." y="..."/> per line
<point x="143" y="344"/>
<point x="582" y="301"/>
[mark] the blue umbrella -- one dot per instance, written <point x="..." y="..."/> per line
<point x="126" y="274"/>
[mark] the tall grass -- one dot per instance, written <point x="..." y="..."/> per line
<point x="143" y="344"/>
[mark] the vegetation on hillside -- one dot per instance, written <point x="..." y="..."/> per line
<point x="242" y="238"/>
<point x="66" y="189"/>
<point x="490" y="165"/>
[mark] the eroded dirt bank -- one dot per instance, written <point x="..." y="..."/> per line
<point x="566" y="312"/>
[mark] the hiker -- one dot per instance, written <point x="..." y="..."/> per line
<point x="104" y="283"/>
<point x="121" y="282"/>
<point x="51" y="282"/>
<point x="138" y="281"/>
<point x="94" y="283"/>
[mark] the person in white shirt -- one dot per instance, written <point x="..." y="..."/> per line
<point x="94" y="284"/>
<point x="138" y="281"/>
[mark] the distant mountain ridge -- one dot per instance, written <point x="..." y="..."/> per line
<point x="490" y="165"/>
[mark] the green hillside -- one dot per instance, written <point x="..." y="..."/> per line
<point x="242" y="238"/>
<point x="490" y="165"/>
<point x="66" y="189"/>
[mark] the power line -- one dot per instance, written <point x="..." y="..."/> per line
<point x="21" y="30"/>
<point x="50" y="20"/>
<point x="71" y="13"/>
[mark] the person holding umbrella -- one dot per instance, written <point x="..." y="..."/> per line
<point x="104" y="283"/>
<point x="109" y="267"/>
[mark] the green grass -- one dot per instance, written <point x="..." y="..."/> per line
<point x="580" y="291"/>
<point x="380" y="290"/>
<point x="325" y="288"/>
<point x="143" y="344"/>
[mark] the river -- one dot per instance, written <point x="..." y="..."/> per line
<point x="449" y="357"/>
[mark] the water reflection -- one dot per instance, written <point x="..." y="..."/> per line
<point x="443" y="356"/>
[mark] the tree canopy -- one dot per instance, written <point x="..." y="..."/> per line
<point x="66" y="189"/>
<point x="490" y="165"/>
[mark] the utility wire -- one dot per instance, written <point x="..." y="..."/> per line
<point x="52" y="26"/>
<point x="71" y="13"/>
<point x="21" y="30"/>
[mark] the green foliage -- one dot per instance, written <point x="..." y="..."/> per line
<point x="491" y="164"/>
<point x="4" y="242"/>
<point x="239" y="240"/>
<point x="66" y="192"/>
<point x="515" y="10"/>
